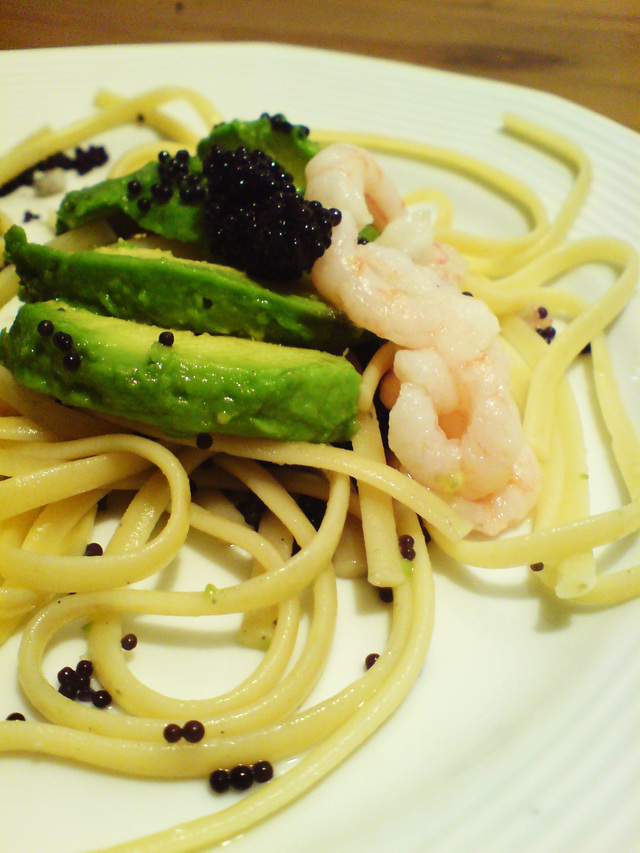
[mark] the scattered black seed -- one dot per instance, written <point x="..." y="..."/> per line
<point x="134" y="188"/>
<point x="16" y="715"/>
<point x="241" y="777"/>
<point x="62" y="340"/>
<point x="193" y="731"/>
<point x="101" y="698"/>
<point x="385" y="593"/>
<point x="85" y="695"/>
<point x="68" y="689"/>
<point x="220" y="781"/>
<point x="93" y="549"/>
<point x="84" y="667"/>
<point x="537" y="567"/>
<point x="29" y="216"/>
<point x="172" y="733"/>
<point x="45" y="328"/>
<point x="129" y="642"/>
<point x="161" y="192"/>
<point x="82" y="161"/>
<point x="204" y="441"/>
<point x="71" y="361"/>
<point x="67" y="675"/>
<point x="166" y="339"/>
<point x="144" y="205"/>
<point x="262" y="771"/>
<point x="547" y="334"/>
<point x="252" y="509"/>
<point x="406" y="544"/>
<point x="83" y="683"/>
<point x="371" y="659"/>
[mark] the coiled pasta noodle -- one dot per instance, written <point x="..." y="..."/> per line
<point x="57" y="465"/>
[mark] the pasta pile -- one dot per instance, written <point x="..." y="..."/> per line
<point x="58" y="466"/>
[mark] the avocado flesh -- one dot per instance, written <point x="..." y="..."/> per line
<point x="201" y="384"/>
<point x="290" y="147"/>
<point x="111" y="200"/>
<point x="174" y="218"/>
<point x="154" y="287"/>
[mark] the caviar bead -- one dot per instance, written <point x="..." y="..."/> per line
<point x="45" y="328"/>
<point x="193" y="731"/>
<point x="204" y="441"/>
<point x="71" y="361"/>
<point x="134" y="188"/>
<point x="182" y="156"/>
<point x="166" y="339"/>
<point x="241" y="777"/>
<point x="536" y="567"/>
<point x="262" y="771"/>
<point x="68" y="689"/>
<point x="371" y="659"/>
<point x="67" y="674"/>
<point x="16" y="715"/>
<point x="144" y="205"/>
<point x="161" y="192"/>
<point x="84" y="667"/>
<point x="406" y="544"/>
<point x="85" y="695"/>
<point x="164" y="157"/>
<point x="63" y="341"/>
<point x="101" y="698"/>
<point x="219" y="781"/>
<point x="385" y="593"/>
<point x="93" y="549"/>
<point x="172" y="732"/>
<point x="129" y="642"/>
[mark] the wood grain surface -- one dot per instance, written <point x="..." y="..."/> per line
<point x="585" y="50"/>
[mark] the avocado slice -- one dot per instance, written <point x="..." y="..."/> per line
<point x="288" y="144"/>
<point x="152" y="286"/>
<point x="112" y="199"/>
<point x="189" y="385"/>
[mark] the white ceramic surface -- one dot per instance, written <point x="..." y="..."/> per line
<point x="522" y="732"/>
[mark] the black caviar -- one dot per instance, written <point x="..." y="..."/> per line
<point x="219" y="781"/>
<point x="82" y="161"/>
<point x="406" y="543"/>
<point x="101" y="698"/>
<point x="166" y="339"/>
<point x="45" y="328"/>
<point x="63" y="341"/>
<point x="262" y="771"/>
<point x="129" y="642"/>
<point x="16" y="715"/>
<point x="93" y="549"/>
<point x="256" y="221"/>
<point x="71" y="361"/>
<point x="172" y="732"/>
<point x="371" y="659"/>
<point x="536" y="567"/>
<point x="241" y="777"/>
<point x="193" y="731"/>
<point x="204" y="441"/>
<point x="385" y="593"/>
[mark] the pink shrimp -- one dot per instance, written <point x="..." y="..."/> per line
<point x="453" y="424"/>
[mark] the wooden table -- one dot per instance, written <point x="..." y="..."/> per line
<point x="585" y="50"/>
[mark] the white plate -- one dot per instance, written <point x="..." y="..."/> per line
<point x="522" y="733"/>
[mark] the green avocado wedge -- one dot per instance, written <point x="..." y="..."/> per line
<point x="154" y="287"/>
<point x="285" y="143"/>
<point x="189" y="385"/>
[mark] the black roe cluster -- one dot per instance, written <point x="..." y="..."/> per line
<point x="76" y="684"/>
<point x="241" y="777"/>
<point x="256" y="221"/>
<point x="83" y="160"/>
